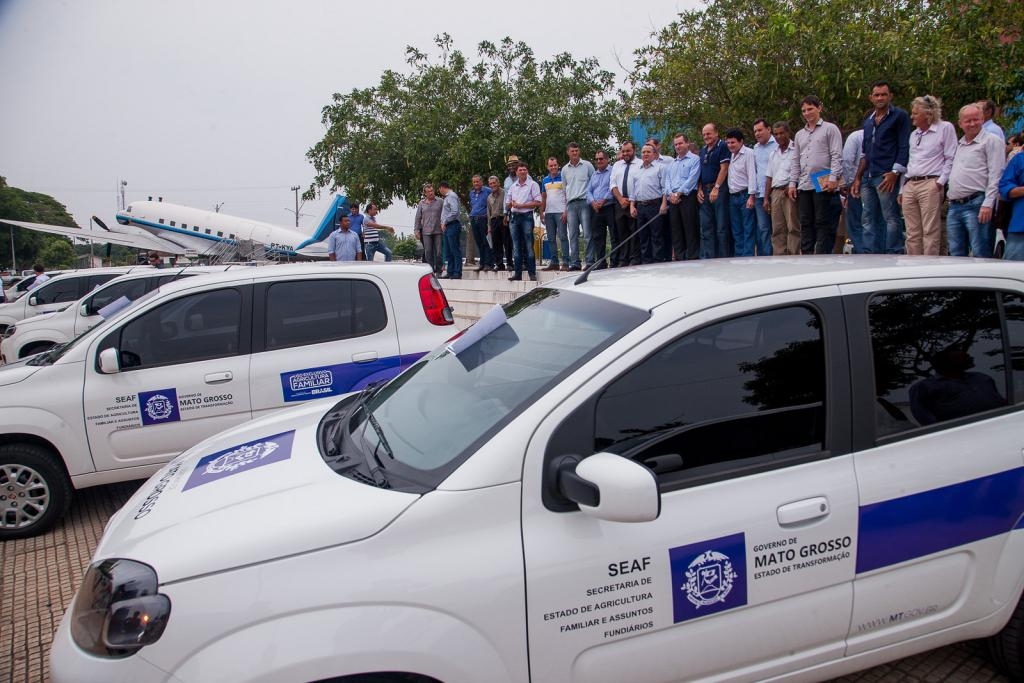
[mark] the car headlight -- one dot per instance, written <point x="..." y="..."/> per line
<point x="9" y="331"/>
<point x="118" y="609"/>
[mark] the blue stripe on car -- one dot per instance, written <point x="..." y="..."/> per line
<point x="905" y="528"/>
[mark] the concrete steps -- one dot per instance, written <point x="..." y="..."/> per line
<point x="478" y="291"/>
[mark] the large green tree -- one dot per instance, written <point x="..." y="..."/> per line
<point x="448" y="118"/>
<point x="29" y="245"/>
<point x="736" y="60"/>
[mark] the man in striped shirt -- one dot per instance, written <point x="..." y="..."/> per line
<point x="372" y="242"/>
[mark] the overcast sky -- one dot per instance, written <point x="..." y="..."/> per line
<point x="214" y="101"/>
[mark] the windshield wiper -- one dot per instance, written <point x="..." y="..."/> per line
<point x="383" y="441"/>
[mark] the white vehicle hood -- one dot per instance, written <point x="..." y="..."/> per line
<point x="12" y="373"/>
<point x="251" y="494"/>
<point x="42" y="318"/>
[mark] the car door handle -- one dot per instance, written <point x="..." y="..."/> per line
<point x="364" y="357"/>
<point x="218" y="377"/>
<point x="803" y="511"/>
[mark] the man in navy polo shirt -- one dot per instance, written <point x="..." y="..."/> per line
<point x="713" y="195"/>
<point x="886" y="147"/>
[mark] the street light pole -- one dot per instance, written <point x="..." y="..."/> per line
<point x="14" y="260"/>
<point x="295" y="189"/>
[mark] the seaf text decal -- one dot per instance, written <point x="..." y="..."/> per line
<point x="708" y="577"/>
<point x="239" y="458"/>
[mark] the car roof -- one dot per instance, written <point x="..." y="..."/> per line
<point x="85" y="272"/>
<point x="243" y="274"/>
<point x="707" y="280"/>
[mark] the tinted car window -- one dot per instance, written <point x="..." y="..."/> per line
<point x="97" y="280"/>
<point x="197" y="327"/>
<point x="938" y="356"/>
<point x="314" y="311"/>
<point x="744" y="388"/>
<point x="1013" y="305"/>
<point x="60" y="291"/>
<point x="132" y="289"/>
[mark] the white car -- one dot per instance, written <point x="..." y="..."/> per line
<point x="42" y="332"/>
<point x="728" y="470"/>
<point x="196" y="357"/>
<point x="58" y="292"/>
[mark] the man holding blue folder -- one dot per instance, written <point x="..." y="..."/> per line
<point x="814" y="178"/>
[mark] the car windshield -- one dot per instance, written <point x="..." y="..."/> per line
<point x="430" y="418"/>
<point x="50" y="357"/>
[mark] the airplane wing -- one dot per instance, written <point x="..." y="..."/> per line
<point x="137" y="241"/>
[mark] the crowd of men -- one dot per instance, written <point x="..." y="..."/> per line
<point x="783" y="195"/>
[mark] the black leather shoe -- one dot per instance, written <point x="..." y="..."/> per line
<point x="515" y="278"/>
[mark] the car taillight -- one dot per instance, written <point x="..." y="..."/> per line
<point x="435" y="304"/>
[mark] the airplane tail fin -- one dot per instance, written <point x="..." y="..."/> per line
<point x="326" y="226"/>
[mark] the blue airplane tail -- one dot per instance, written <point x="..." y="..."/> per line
<point x="326" y="227"/>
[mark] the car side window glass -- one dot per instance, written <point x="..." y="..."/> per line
<point x="59" y="292"/>
<point x="746" y="388"/>
<point x="192" y="328"/>
<point x="314" y="311"/>
<point x="132" y="290"/>
<point x="97" y="280"/>
<point x="1013" y="306"/>
<point x="937" y="356"/>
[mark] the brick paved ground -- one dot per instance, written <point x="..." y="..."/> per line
<point x="40" y="575"/>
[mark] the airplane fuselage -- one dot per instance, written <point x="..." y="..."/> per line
<point x="201" y="230"/>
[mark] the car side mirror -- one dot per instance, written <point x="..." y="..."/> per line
<point x="33" y="301"/>
<point x="85" y="310"/>
<point x="110" y="363"/>
<point x="610" y="487"/>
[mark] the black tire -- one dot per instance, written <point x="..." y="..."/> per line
<point x="35" y="492"/>
<point x="1006" y="648"/>
<point x="34" y="348"/>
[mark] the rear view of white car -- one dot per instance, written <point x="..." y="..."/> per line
<point x="196" y="357"/>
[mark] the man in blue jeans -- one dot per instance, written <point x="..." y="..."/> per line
<point x="886" y="147"/>
<point x="973" y="186"/>
<point x="451" y="228"/>
<point x="742" y="193"/>
<point x="521" y="198"/>
<point x="478" y="221"/>
<point x="372" y="241"/>
<point x="1011" y="189"/>
<point x="713" y="196"/>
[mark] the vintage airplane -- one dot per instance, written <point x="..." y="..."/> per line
<point x="174" y="229"/>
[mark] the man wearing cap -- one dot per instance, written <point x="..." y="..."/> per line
<point x="511" y="163"/>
